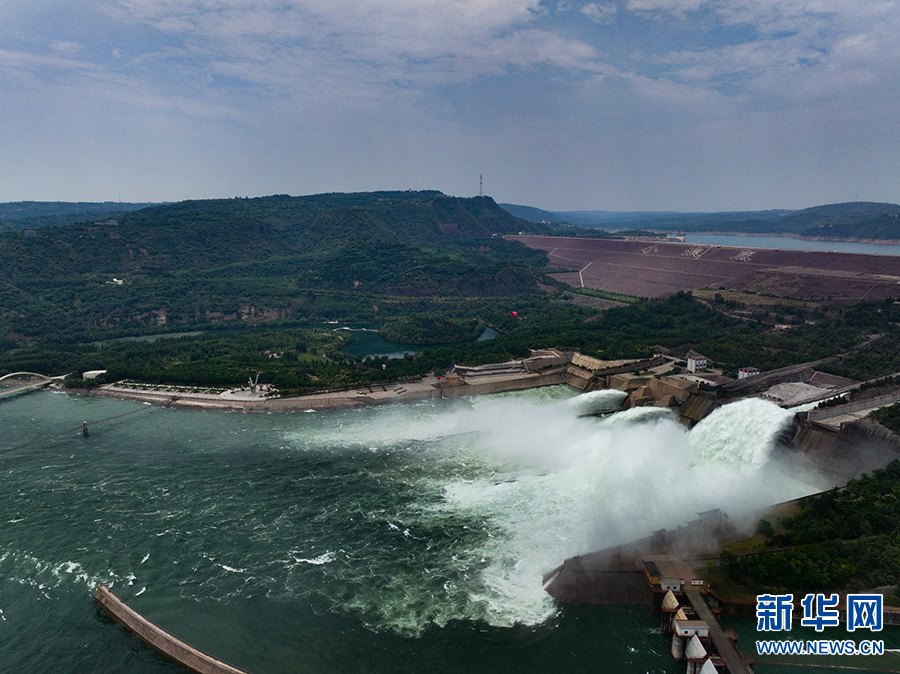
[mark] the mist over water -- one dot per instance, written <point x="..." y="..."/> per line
<point x="402" y="519"/>
<point x="527" y="483"/>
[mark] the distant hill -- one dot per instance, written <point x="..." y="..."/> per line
<point x="586" y="218"/>
<point x="324" y="256"/>
<point x="18" y="215"/>
<point x="531" y="214"/>
<point x="661" y="220"/>
<point x="853" y="220"/>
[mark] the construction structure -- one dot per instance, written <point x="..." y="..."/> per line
<point x="22" y="382"/>
<point x="652" y="571"/>
<point x="696" y="361"/>
<point x="697" y="636"/>
<point x="157" y="638"/>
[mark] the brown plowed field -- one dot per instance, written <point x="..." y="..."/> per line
<point x="649" y="269"/>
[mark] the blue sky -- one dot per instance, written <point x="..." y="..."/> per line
<point x="617" y="105"/>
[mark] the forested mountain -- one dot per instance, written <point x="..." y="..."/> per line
<point x="322" y="256"/>
<point x="18" y="215"/>
<point x="658" y="220"/>
<point x="852" y="220"/>
<point x="855" y="220"/>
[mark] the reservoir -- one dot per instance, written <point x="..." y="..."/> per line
<point x="785" y="243"/>
<point x="404" y="538"/>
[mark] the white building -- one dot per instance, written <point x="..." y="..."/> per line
<point x="696" y="361"/>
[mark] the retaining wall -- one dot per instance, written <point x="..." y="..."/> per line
<point x="158" y="639"/>
<point x="500" y="386"/>
<point x="847" y="408"/>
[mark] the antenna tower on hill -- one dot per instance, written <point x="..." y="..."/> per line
<point x="480" y="185"/>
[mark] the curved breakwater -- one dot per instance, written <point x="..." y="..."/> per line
<point x="409" y="537"/>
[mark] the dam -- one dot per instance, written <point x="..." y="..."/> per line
<point x="830" y="446"/>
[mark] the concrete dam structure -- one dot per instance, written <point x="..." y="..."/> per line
<point x="828" y="456"/>
<point x="836" y="455"/>
<point x="650" y="569"/>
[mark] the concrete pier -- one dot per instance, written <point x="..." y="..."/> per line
<point x="157" y="638"/>
<point x="651" y="571"/>
<point x="726" y="648"/>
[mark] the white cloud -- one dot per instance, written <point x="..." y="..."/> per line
<point x="65" y="47"/>
<point x="310" y="46"/>
<point x="603" y="14"/>
<point x="366" y="49"/>
<point x="674" y="6"/>
<point x="703" y="101"/>
<point x="365" y="87"/>
<point x="792" y="49"/>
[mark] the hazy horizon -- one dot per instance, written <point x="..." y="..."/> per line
<point x="564" y="209"/>
<point x="622" y="105"/>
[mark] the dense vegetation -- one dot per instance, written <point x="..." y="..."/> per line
<point x="888" y="417"/>
<point x="852" y="220"/>
<point x="817" y="334"/>
<point x="227" y="352"/>
<point x="325" y="257"/>
<point x="430" y="268"/>
<point x="884" y="227"/>
<point x="431" y="329"/>
<point x="525" y="322"/>
<point x="880" y="358"/>
<point x="844" y="538"/>
<point x="18" y="215"/>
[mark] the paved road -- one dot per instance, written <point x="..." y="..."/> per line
<point x="729" y="652"/>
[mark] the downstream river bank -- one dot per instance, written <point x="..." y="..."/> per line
<point x="427" y="388"/>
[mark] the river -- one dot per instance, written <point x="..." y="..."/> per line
<point x="406" y="538"/>
<point x="786" y="243"/>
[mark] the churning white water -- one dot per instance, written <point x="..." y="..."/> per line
<point x="326" y="538"/>
<point x="544" y="484"/>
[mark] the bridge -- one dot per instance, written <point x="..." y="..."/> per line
<point x="21" y="382"/>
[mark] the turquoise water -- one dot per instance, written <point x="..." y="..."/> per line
<point x="785" y="243"/>
<point x="368" y="342"/>
<point x="406" y="538"/>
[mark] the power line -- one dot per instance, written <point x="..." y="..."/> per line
<point x="71" y="430"/>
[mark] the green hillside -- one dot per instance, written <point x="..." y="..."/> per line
<point x="852" y="220"/>
<point x="325" y="256"/>
<point x="19" y="215"/>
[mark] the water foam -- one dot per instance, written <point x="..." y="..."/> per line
<point x="541" y="484"/>
<point x="403" y="517"/>
<point x="44" y="576"/>
<point x="743" y="433"/>
<point x="316" y="561"/>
